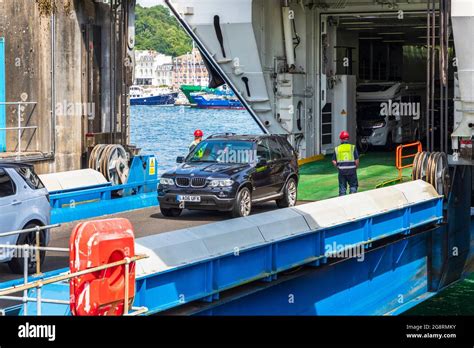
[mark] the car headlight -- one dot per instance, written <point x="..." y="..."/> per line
<point x="221" y="182"/>
<point x="166" y="181"/>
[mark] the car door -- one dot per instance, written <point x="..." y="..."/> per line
<point x="8" y="211"/>
<point x="277" y="165"/>
<point x="261" y="177"/>
<point x="291" y="161"/>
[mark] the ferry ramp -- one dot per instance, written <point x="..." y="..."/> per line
<point x="146" y="222"/>
<point x="318" y="180"/>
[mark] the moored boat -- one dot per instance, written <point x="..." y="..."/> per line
<point x="188" y="90"/>
<point x="140" y="96"/>
<point x="209" y="101"/>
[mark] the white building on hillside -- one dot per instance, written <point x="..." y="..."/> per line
<point x="165" y="74"/>
<point x="189" y="69"/>
<point x="153" y="68"/>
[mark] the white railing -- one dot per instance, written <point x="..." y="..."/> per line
<point x="6" y="294"/>
<point x="19" y="128"/>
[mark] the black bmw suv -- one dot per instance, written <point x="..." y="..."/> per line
<point x="231" y="173"/>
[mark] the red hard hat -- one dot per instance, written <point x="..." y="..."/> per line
<point x="344" y="135"/>
<point x="198" y="133"/>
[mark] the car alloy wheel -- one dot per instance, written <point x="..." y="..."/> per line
<point x="291" y="192"/>
<point x="16" y="264"/>
<point x="245" y="203"/>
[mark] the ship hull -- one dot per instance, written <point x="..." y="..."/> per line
<point x="163" y="99"/>
<point x="203" y="103"/>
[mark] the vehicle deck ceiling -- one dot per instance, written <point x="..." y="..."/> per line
<point x="387" y="28"/>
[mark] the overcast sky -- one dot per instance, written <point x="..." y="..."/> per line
<point x="148" y="3"/>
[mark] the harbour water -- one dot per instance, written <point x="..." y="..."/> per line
<point x="167" y="132"/>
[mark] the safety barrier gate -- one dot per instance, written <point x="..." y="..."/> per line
<point x="399" y="160"/>
<point x="400" y="156"/>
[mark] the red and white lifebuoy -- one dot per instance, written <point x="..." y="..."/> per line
<point x="95" y="243"/>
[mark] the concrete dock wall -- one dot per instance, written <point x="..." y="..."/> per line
<point x="59" y="57"/>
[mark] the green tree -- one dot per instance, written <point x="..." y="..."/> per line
<point x="157" y="29"/>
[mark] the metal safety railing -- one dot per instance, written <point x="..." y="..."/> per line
<point x="400" y="158"/>
<point x="19" y="128"/>
<point x="6" y="294"/>
<point x="38" y="250"/>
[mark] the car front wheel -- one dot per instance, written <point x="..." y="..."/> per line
<point x="243" y="203"/>
<point x="171" y="212"/>
<point x="289" y="194"/>
<point x="16" y="264"/>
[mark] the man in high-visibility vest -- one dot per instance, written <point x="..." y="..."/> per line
<point x="346" y="160"/>
<point x="198" y="134"/>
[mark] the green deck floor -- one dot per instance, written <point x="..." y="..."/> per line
<point x="318" y="180"/>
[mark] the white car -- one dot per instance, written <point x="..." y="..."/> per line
<point x="390" y="113"/>
<point x="24" y="203"/>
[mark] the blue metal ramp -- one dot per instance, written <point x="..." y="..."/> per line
<point x="369" y="249"/>
<point x="201" y="262"/>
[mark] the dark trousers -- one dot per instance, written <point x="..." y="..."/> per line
<point x="348" y="179"/>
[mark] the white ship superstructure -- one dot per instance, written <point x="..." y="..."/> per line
<point x="296" y="64"/>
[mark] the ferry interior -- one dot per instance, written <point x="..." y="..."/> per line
<point x="380" y="49"/>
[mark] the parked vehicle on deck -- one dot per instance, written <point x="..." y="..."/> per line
<point x="390" y="113"/>
<point x="231" y="173"/>
<point x="24" y="204"/>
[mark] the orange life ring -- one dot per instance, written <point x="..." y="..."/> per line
<point x="95" y="243"/>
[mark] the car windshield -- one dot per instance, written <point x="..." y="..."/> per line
<point x="369" y="111"/>
<point x="223" y="151"/>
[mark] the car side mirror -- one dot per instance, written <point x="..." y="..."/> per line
<point x="180" y="159"/>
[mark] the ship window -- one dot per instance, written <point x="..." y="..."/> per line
<point x="326" y="128"/>
<point x="326" y="125"/>
<point x="326" y="139"/>
<point x="299" y="115"/>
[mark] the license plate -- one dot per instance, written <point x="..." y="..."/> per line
<point x="187" y="198"/>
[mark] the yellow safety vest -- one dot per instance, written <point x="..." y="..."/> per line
<point x="345" y="156"/>
<point x="198" y="153"/>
